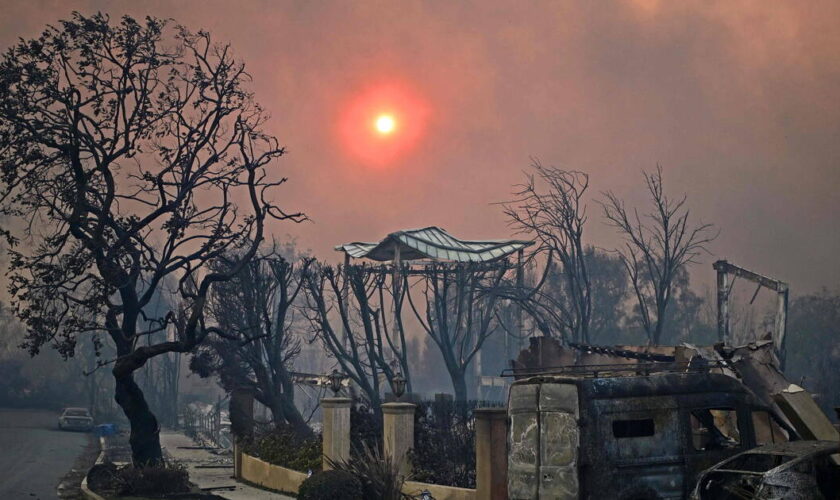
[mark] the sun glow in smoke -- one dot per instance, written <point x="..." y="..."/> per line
<point x="385" y="124"/>
<point x="381" y="124"/>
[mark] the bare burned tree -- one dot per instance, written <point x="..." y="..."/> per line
<point x="458" y="312"/>
<point x="657" y="245"/>
<point x="555" y="217"/>
<point x="130" y="153"/>
<point x="347" y="307"/>
<point x="261" y="339"/>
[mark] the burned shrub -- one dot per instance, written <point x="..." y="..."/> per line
<point x="152" y="481"/>
<point x="444" y="442"/>
<point x="365" y="428"/>
<point x="331" y="485"/>
<point x="282" y="446"/>
<point x="380" y="475"/>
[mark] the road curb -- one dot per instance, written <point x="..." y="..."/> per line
<point x="87" y="492"/>
<point x="84" y="486"/>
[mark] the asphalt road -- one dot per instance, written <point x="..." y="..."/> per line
<point x="34" y="454"/>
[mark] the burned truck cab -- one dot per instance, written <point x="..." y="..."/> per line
<point x="626" y="437"/>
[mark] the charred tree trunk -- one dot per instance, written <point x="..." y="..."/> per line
<point x="293" y="416"/>
<point x="145" y="431"/>
<point x="457" y="373"/>
<point x="459" y="384"/>
<point x="283" y="410"/>
<point x="295" y="419"/>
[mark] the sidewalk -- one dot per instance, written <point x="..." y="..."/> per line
<point x="209" y="470"/>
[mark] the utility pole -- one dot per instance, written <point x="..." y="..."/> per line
<point x="520" y="282"/>
<point x="344" y="295"/>
<point x="722" y="304"/>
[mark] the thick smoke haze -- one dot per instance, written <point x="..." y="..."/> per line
<point x="738" y="101"/>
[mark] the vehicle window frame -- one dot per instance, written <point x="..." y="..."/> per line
<point x="629" y="427"/>
<point x="741" y="414"/>
<point x="666" y="423"/>
<point x="76" y="413"/>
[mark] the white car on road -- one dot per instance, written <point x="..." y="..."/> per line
<point x="77" y="419"/>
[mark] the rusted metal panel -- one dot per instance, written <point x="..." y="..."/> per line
<point x="559" y="437"/>
<point x="559" y="441"/>
<point x="560" y="397"/>
<point x="523" y="460"/>
<point x="808" y="419"/>
<point x="544" y="439"/>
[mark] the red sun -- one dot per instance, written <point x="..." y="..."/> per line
<point x="381" y="124"/>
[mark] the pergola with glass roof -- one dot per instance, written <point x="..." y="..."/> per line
<point x="431" y="243"/>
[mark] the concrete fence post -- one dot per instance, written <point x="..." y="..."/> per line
<point x="336" y="429"/>
<point x="491" y="454"/>
<point x="398" y="432"/>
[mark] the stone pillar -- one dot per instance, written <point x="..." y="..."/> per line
<point x="398" y="432"/>
<point x="491" y="454"/>
<point x="336" y="429"/>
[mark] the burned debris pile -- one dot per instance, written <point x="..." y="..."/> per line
<point x="646" y="422"/>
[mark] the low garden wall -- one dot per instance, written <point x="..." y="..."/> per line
<point x="440" y="492"/>
<point x="477" y="462"/>
<point x="286" y="480"/>
<point x="271" y="476"/>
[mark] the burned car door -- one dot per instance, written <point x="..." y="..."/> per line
<point x="644" y="451"/>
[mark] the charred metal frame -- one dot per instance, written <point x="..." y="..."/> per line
<point x="611" y="370"/>
<point x="774" y="482"/>
<point x="724" y="288"/>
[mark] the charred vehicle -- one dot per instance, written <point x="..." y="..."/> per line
<point x="77" y="419"/>
<point x="797" y="470"/>
<point x="588" y="436"/>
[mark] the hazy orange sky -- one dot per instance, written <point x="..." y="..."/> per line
<point x="739" y="101"/>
